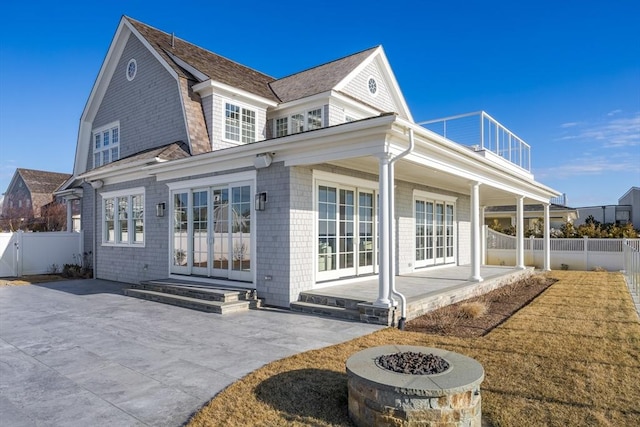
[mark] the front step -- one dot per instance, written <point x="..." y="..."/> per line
<point x="323" y="305"/>
<point x="195" y="296"/>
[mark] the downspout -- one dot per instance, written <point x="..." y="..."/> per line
<point x="392" y="249"/>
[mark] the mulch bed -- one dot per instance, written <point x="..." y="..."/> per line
<point x="466" y="319"/>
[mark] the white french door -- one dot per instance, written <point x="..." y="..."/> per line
<point x="346" y="227"/>
<point x="434" y="232"/>
<point x="212" y="231"/>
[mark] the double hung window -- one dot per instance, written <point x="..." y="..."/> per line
<point x="239" y="124"/>
<point x="106" y="144"/>
<point x="123" y="217"/>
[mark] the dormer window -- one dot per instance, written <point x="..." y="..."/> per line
<point x="299" y="122"/>
<point x="240" y="124"/>
<point x="106" y="144"/>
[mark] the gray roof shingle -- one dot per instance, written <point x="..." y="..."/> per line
<point x="42" y="182"/>
<point x="318" y="79"/>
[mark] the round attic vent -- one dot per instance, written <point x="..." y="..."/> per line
<point x="373" y="86"/>
<point x="132" y="69"/>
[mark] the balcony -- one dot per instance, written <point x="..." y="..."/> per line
<point x="481" y="132"/>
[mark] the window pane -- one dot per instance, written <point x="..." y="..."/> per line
<point x="115" y="154"/>
<point x="109" y="212"/>
<point x="123" y="220"/>
<point x="115" y="136"/>
<point x="105" y="157"/>
<point x="232" y="122"/>
<point x="248" y="125"/>
<point x="96" y="159"/>
<point x="97" y="140"/>
<point x="180" y="229"/>
<point x="282" y="126"/>
<point x="314" y="119"/>
<point x="105" y="138"/>
<point x="138" y="218"/>
<point x="297" y="123"/>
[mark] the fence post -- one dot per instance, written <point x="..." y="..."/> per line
<point x="19" y="251"/>
<point x="624" y="256"/>
<point x="586" y="253"/>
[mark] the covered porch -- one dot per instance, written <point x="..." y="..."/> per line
<point x="425" y="290"/>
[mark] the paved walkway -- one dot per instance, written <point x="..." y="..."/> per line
<point x="79" y="353"/>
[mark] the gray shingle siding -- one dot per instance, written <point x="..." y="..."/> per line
<point x="133" y="264"/>
<point x="148" y="107"/>
<point x="359" y="89"/>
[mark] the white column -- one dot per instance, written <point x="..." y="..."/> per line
<point x="483" y="238"/>
<point x="385" y="234"/>
<point x="69" y="204"/>
<point x="520" y="232"/>
<point x="475" y="232"/>
<point x="547" y="238"/>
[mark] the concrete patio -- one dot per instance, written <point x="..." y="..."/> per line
<point x="79" y="353"/>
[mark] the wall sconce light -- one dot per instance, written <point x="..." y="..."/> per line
<point x="160" y="209"/>
<point x="261" y="201"/>
<point x="262" y="160"/>
<point x="98" y="183"/>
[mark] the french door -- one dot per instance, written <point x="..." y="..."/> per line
<point x="434" y="232"/>
<point x="212" y="231"/>
<point x="347" y="241"/>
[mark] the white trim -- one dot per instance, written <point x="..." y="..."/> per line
<point x="130" y="193"/>
<point x="125" y="192"/>
<point x="434" y="196"/>
<point x="213" y="180"/>
<point x="335" y="178"/>
<point x="209" y="87"/>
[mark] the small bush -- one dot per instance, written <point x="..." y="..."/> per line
<point x="600" y="269"/>
<point x="473" y="310"/>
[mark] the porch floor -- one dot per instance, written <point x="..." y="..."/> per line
<point x="423" y="283"/>
<point x="425" y="290"/>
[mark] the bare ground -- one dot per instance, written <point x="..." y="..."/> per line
<point x="478" y="316"/>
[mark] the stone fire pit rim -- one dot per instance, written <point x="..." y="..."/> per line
<point x="464" y="373"/>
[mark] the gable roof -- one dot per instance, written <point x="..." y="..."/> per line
<point x="214" y="66"/>
<point x="319" y="79"/>
<point x="42" y="182"/>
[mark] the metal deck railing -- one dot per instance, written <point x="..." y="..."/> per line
<point x="482" y="132"/>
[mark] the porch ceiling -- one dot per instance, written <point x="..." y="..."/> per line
<point x="420" y="174"/>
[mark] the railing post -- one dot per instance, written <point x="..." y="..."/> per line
<point x="624" y="257"/>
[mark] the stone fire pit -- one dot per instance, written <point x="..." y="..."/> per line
<point x="380" y="395"/>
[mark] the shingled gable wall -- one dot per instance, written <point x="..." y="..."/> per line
<point x="358" y="88"/>
<point x="148" y="107"/>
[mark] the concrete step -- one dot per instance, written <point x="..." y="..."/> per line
<point x="210" y="306"/>
<point x="325" y="310"/>
<point x="207" y="293"/>
<point x="330" y="301"/>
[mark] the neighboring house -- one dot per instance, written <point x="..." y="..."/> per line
<point x="28" y="192"/>
<point x="506" y="215"/>
<point x="190" y="165"/>
<point x="626" y="211"/>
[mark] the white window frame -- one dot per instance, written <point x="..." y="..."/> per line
<point x="243" y="111"/>
<point x="305" y="121"/>
<point x="444" y="200"/>
<point x="129" y="194"/>
<point x="99" y="149"/>
<point x="357" y="185"/>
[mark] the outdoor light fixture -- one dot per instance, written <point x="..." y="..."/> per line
<point x="97" y="184"/>
<point x="262" y="160"/>
<point x="261" y="201"/>
<point x="160" y="209"/>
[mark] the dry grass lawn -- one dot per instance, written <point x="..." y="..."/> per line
<point x="28" y="280"/>
<point x="570" y="358"/>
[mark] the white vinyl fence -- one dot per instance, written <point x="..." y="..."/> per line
<point x="631" y="253"/>
<point x="572" y="254"/>
<point x="36" y="253"/>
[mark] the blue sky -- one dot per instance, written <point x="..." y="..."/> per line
<point x="564" y="76"/>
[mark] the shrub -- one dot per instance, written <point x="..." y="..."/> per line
<point x="473" y="310"/>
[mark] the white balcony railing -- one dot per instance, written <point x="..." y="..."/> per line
<point x="480" y="131"/>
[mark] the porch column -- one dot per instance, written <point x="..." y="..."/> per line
<point x="483" y="238"/>
<point x="69" y="204"/>
<point x="385" y="234"/>
<point x="520" y="232"/>
<point x="475" y="233"/>
<point x="547" y="238"/>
